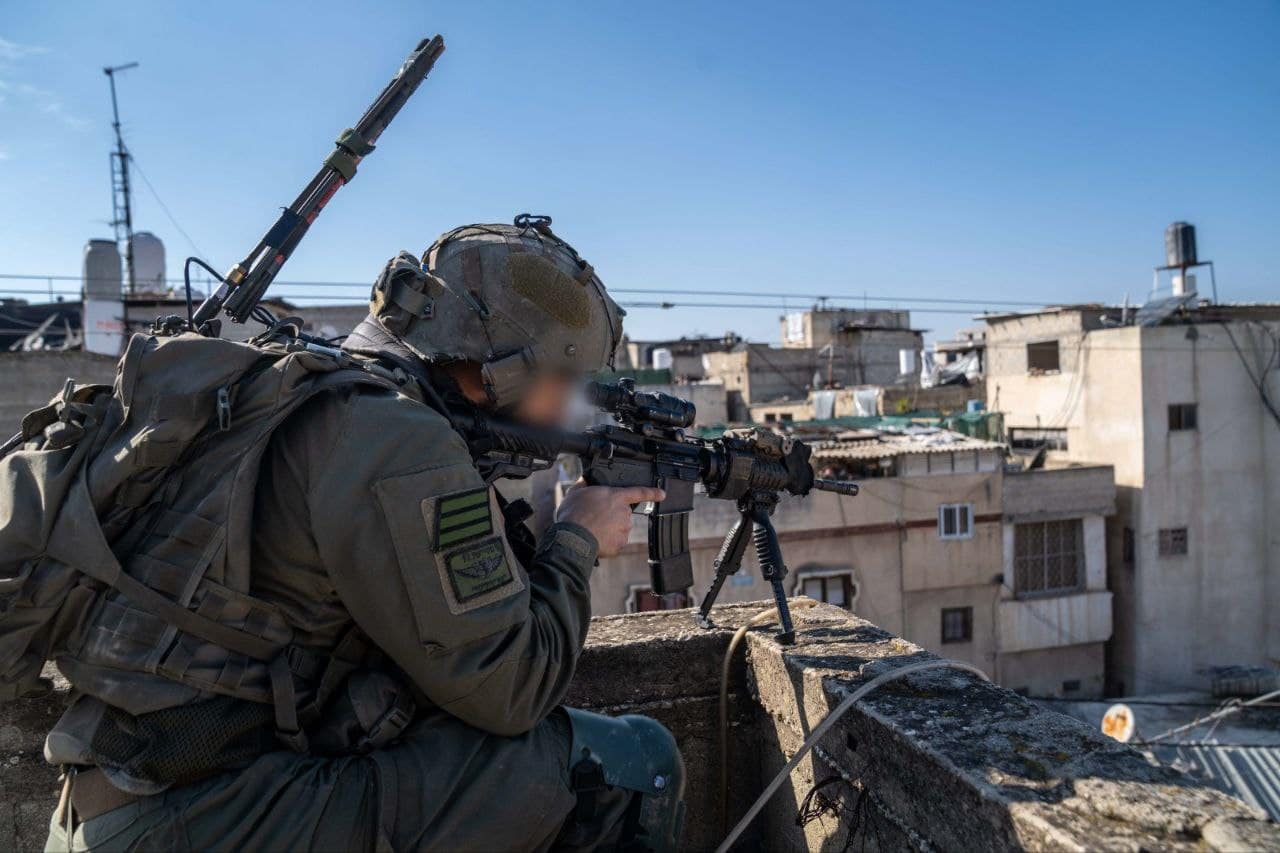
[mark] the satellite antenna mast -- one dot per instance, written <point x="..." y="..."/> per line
<point x="121" y="194"/>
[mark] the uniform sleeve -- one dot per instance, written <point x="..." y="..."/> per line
<point x="414" y="544"/>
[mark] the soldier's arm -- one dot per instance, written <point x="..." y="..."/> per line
<point x="414" y="544"/>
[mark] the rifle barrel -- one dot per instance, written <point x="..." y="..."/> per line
<point x="840" y="487"/>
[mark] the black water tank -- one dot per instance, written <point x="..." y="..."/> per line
<point x="1180" y="245"/>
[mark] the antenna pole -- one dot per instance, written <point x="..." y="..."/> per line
<point x="121" y="193"/>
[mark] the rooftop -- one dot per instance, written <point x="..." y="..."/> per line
<point x="1191" y="308"/>
<point x="936" y="760"/>
<point x="1238" y="754"/>
<point x="902" y="441"/>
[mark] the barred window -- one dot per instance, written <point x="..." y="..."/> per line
<point x="957" y="624"/>
<point x="955" y="521"/>
<point x="1182" y="416"/>
<point x="1173" y="541"/>
<point x="1048" y="557"/>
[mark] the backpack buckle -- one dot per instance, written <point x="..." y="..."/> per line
<point x="224" y="409"/>
<point x="65" y="431"/>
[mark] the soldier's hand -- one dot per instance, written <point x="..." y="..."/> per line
<point x="605" y="511"/>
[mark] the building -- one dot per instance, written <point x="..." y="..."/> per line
<point x="1181" y="399"/>
<point x="869" y="400"/>
<point x="867" y="347"/>
<point x="821" y="325"/>
<point x="755" y="373"/>
<point x="682" y="357"/>
<point x="969" y="343"/>
<point x="1006" y="571"/>
<point x="822" y="349"/>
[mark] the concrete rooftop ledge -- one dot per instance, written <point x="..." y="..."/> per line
<point x="936" y="761"/>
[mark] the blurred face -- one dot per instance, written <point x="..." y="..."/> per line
<point x="548" y="400"/>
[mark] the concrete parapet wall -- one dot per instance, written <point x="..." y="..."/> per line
<point x="939" y="760"/>
<point x="32" y="379"/>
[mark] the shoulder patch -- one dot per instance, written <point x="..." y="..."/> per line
<point x="461" y="517"/>
<point x="478" y="568"/>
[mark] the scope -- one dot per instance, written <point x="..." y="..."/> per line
<point x="640" y="407"/>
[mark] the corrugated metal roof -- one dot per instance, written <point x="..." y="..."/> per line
<point x="881" y="445"/>
<point x="1251" y="773"/>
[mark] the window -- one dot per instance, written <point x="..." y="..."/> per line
<point x="1042" y="357"/>
<point x="1173" y="541"/>
<point x="836" y="588"/>
<point x="1071" y="686"/>
<point x="955" y="521"/>
<point x="1048" y="557"/>
<point x="957" y="624"/>
<point x="1029" y="438"/>
<point x="641" y="599"/>
<point x="1182" y="416"/>
<point x="1128" y="547"/>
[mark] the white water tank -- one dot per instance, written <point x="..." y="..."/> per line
<point x="148" y="263"/>
<point x="100" y="273"/>
<point x="906" y="362"/>
<point x="661" y="358"/>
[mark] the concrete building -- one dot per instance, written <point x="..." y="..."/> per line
<point x="968" y="342"/>
<point x="932" y="549"/>
<point x="755" y="373"/>
<point x="821" y="349"/>
<point x="1181" y="401"/>
<point x="867" y="347"/>
<point x="820" y="326"/>
<point x="868" y="401"/>
<point x="681" y="356"/>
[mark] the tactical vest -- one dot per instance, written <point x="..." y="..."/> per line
<point x="125" y="535"/>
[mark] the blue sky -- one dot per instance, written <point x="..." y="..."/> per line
<point x="967" y="150"/>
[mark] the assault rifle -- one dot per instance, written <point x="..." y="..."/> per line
<point x="648" y="447"/>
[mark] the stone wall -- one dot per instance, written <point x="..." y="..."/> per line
<point x="940" y="760"/>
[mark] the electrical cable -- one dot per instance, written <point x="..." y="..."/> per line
<point x="164" y="207"/>
<point x="186" y="281"/>
<point x="1259" y="382"/>
<point x="764" y="617"/>
<point x="821" y="729"/>
<point x="1232" y="707"/>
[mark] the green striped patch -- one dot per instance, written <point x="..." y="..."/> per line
<point x="462" y="516"/>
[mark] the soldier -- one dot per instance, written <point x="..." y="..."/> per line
<point x="433" y="640"/>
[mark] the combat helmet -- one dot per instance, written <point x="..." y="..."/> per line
<point x="515" y="299"/>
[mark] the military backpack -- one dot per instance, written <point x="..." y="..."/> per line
<point x="125" y="516"/>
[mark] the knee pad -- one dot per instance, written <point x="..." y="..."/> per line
<point x="636" y="754"/>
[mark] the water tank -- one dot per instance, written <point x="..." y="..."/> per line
<point x="661" y="358"/>
<point x="148" y="263"/>
<point x="1180" y="245"/>
<point x="906" y="361"/>
<point x="100" y="274"/>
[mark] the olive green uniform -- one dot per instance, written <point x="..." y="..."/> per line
<point x="370" y="514"/>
